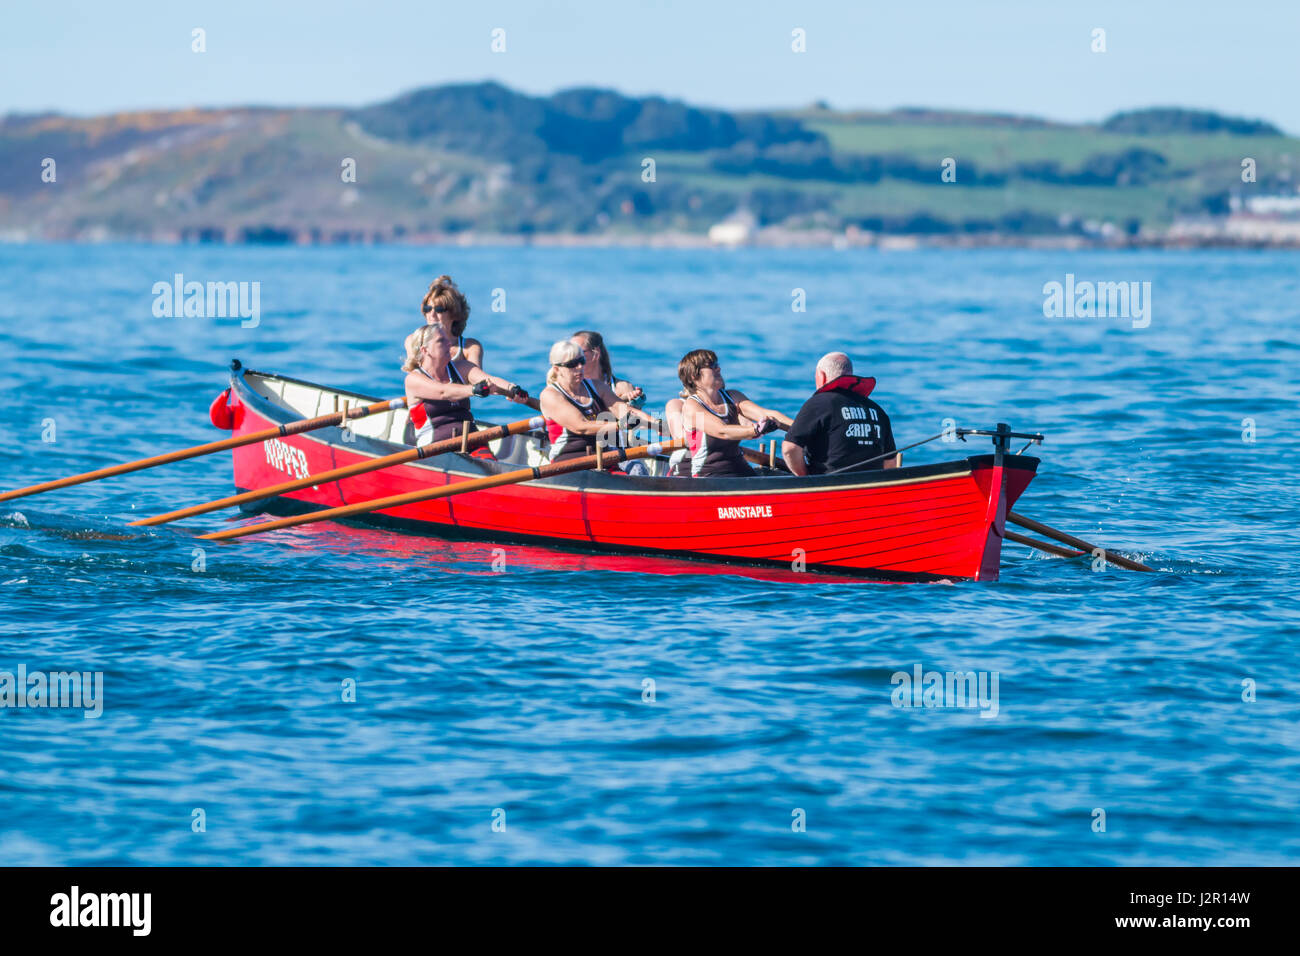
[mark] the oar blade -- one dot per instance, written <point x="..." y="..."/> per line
<point x="1065" y="538"/>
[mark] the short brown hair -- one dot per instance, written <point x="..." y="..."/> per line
<point x="688" y="369"/>
<point x="443" y="296"/>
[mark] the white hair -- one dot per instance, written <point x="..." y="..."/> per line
<point x="562" y="351"/>
<point x="835" y="364"/>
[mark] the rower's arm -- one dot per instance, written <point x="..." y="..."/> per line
<point x="887" y="442"/>
<point x="418" y="386"/>
<point x="793" y="455"/>
<point x="716" y="428"/>
<point x="473" y="373"/>
<point x="619" y="407"/>
<point x="555" y="408"/>
<point x="474" y="351"/>
<point x="634" y="416"/>
<point x="753" y="411"/>
<point x="626" y="391"/>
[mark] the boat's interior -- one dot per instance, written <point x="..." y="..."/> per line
<point x="308" y="400"/>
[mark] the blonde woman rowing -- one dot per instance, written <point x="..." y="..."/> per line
<point x="443" y="385"/>
<point x="578" y="410"/>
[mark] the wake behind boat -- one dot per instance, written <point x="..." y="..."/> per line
<point x="917" y="523"/>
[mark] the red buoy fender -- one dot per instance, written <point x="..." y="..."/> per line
<point x="222" y="413"/>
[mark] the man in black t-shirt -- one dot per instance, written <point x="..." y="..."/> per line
<point x="839" y="426"/>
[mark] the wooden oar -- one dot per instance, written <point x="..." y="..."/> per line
<point x="1072" y="541"/>
<point x="601" y="459"/>
<point x="292" y="428"/>
<point x="1055" y="549"/>
<point x="474" y="440"/>
<point x="765" y="461"/>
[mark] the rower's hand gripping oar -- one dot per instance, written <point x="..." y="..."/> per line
<point x="280" y="431"/>
<point x="602" y="459"/>
<point x="474" y="440"/>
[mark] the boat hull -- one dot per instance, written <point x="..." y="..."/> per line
<point x="920" y="523"/>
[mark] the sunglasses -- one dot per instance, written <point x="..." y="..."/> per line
<point x="573" y="363"/>
<point x="436" y="309"/>
<point x="715" y="366"/>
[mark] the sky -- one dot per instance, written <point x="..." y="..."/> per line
<point x="1029" y="57"/>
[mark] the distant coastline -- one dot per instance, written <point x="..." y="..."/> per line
<point x="892" y="242"/>
<point x="480" y="164"/>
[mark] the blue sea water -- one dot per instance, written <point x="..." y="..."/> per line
<point x="1168" y="700"/>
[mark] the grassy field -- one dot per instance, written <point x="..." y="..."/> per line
<point x="956" y="203"/>
<point x="1199" y="165"/>
<point x="999" y="147"/>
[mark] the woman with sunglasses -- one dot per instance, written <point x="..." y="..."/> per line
<point x="598" y="367"/>
<point x="579" y="410"/>
<point x="443" y="386"/>
<point x="446" y="304"/>
<point x="714" y="421"/>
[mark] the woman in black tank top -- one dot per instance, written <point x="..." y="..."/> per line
<point x="716" y="421"/>
<point x="599" y="369"/>
<point x="436" y="419"/>
<point x="566" y="444"/>
<point x="443" y="386"/>
<point x="578" y="411"/>
<point x="447" y="305"/>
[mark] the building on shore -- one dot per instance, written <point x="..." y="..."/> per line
<point x="738" y="229"/>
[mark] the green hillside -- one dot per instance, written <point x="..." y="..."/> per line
<point x="481" y="159"/>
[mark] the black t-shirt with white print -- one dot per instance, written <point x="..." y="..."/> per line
<point x="840" y="426"/>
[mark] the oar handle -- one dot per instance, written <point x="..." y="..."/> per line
<point x="280" y="431"/>
<point x="758" y="458"/>
<point x="602" y="459"/>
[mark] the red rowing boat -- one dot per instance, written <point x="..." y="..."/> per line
<point x="924" y="522"/>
